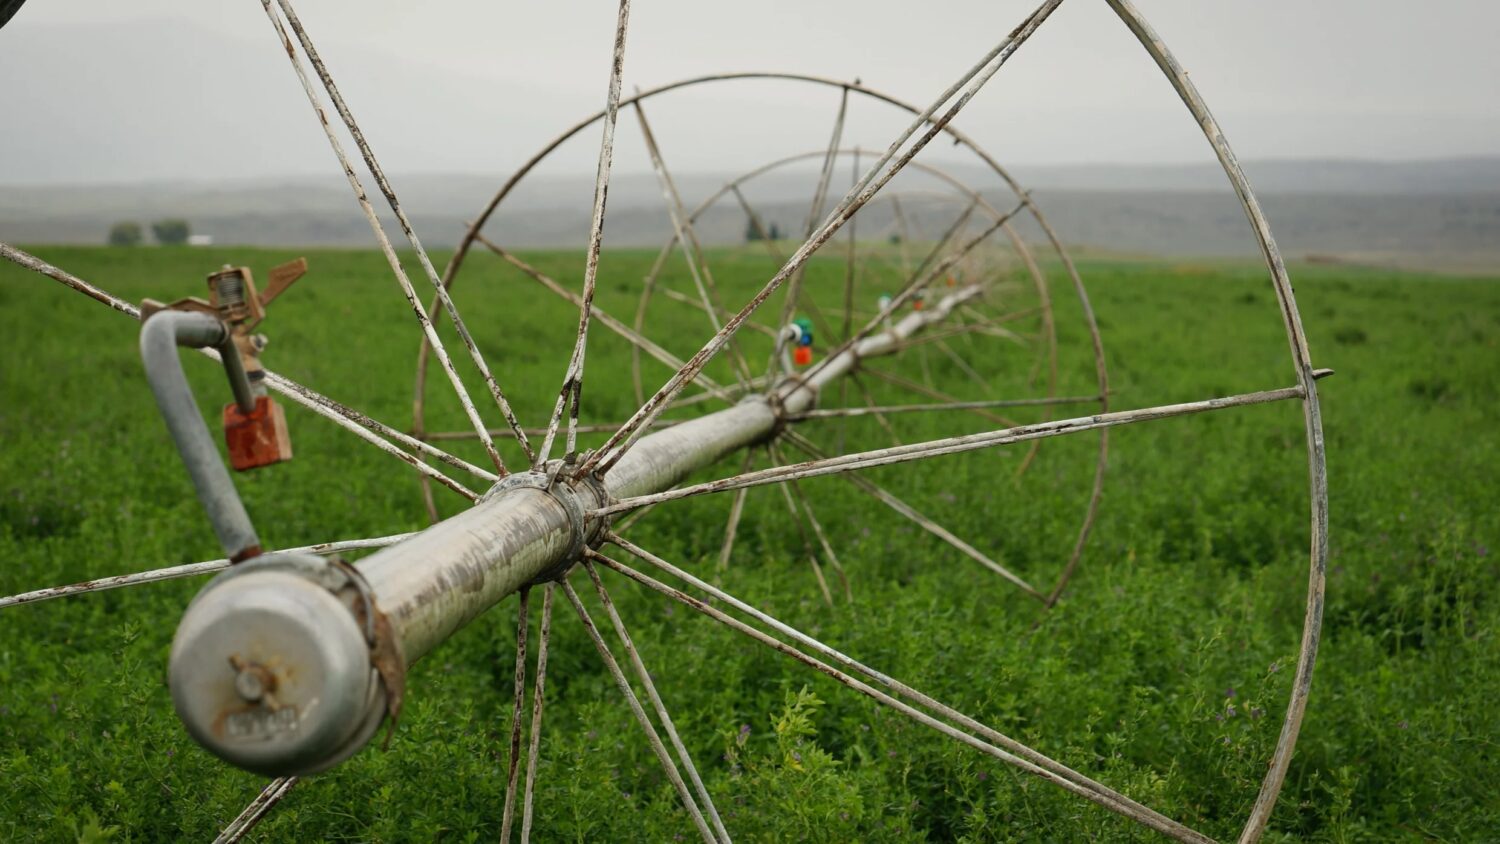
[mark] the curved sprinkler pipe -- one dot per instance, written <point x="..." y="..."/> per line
<point x="161" y="334"/>
<point x="319" y="670"/>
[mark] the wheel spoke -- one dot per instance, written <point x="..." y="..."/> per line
<point x="903" y="235"/>
<point x="966" y="331"/>
<point x="572" y="387"/>
<point x="513" y="773"/>
<point x="996" y="322"/>
<point x="850" y="274"/>
<point x="736" y="510"/>
<point x="629" y="521"/>
<point x="946" y="398"/>
<point x="793" y="294"/>
<point x="953" y="230"/>
<point x="428" y="329"/>
<point x="755" y="383"/>
<point x="656" y="702"/>
<point x="963" y="365"/>
<point x="35" y="264"/>
<point x="954" y="445"/>
<point x="915" y="284"/>
<point x="362" y="425"/>
<point x="939" y="407"/>
<point x="817" y="527"/>
<point x="875" y="179"/>
<point x="253" y="813"/>
<point x="366" y="428"/>
<point x="870" y="407"/>
<point x="538" y="698"/>
<point x="687" y="238"/>
<point x="647" y="287"/>
<point x="694" y="303"/>
<point x="825" y="176"/>
<point x="890" y="500"/>
<point x="188" y="570"/>
<point x="993" y="742"/>
<point x="607" y="321"/>
<point x="439" y="436"/>
<point x="353" y="422"/>
<point x="640" y="714"/>
<point x="807" y="546"/>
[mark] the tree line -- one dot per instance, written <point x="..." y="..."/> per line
<point x="172" y="231"/>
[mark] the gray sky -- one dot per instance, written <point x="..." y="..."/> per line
<point x="104" y="90"/>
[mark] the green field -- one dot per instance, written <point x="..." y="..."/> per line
<point x="1164" y="671"/>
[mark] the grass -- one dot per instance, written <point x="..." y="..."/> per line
<point x="1164" y="672"/>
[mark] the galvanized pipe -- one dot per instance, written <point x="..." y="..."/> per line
<point x="528" y="527"/>
<point x="161" y="334"/>
<point x="800" y="397"/>
<point x="434" y="583"/>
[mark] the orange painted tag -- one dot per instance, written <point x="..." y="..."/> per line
<point x="258" y="438"/>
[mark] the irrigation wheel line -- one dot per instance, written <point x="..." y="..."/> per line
<point x="623" y="453"/>
<point x="834" y="155"/>
<point x="954" y="249"/>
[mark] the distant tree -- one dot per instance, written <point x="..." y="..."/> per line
<point x="895" y="240"/>
<point x="171" y="232"/>
<point x="752" y="231"/>
<point x="775" y="232"/>
<point x="125" y="233"/>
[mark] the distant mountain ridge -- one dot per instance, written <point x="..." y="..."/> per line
<point x="1310" y="175"/>
<point x="1427" y="213"/>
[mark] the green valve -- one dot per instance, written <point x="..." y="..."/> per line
<point x="804" y="331"/>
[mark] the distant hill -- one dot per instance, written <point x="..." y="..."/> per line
<point x="1298" y="176"/>
<point x="1441" y="213"/>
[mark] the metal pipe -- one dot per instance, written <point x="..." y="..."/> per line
<point x="161" y="334"/>
<point x="527" y="528"/>
<point x="799" y="396"/>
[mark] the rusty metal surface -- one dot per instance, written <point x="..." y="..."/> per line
<point x="258" y="438"/>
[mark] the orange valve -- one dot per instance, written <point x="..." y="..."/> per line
<point x="258" y="438"/>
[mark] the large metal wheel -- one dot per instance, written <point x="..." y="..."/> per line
<point x="426" y="596"/>
<point x="946" y="226"/>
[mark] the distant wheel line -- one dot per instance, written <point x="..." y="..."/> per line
<point x="1022" y="250"/>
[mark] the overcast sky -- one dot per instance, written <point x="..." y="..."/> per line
<point x="106" y="90"/>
